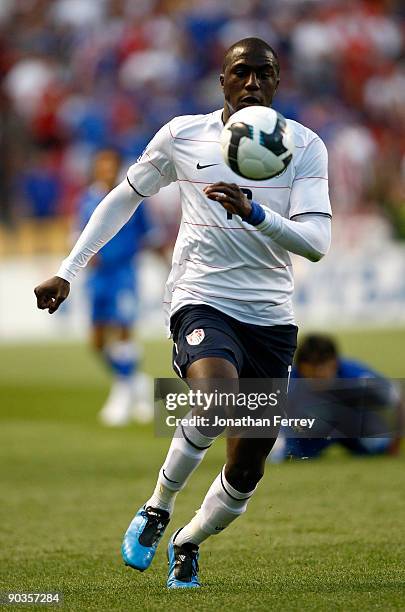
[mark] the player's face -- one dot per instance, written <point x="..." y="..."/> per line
<point x="106" y="168"/>
<point x="250" y="78"/>
<point x="326" y="369"/>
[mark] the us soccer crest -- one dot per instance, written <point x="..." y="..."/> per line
<point x="196" y="337"/>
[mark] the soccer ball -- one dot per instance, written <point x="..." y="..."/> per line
<point x="257" y="143"/>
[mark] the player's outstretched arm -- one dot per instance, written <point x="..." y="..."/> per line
<point x="153" y="170"/>
<point x="108" y="218"/>
<point x="51" y="293"/>
<point x="106" y="221"/>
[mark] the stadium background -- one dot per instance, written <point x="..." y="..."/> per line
<point x="78" y="75"/>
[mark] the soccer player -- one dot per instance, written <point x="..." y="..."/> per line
<point x="318" y="357"/>
<point x="112" y="290"/>
<point x="229" y="292"/>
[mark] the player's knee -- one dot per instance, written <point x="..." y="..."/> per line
<point x="244" y="477"/>
<point x="98" y="345"/>
<point x="97" y="340"/>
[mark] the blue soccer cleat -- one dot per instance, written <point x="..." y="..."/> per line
<point x="183" y="565"/>
<point x="143" y="536"/>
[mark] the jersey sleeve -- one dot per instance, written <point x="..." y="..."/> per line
<point x="154" y="169"/>
<point x="310" y="192"/>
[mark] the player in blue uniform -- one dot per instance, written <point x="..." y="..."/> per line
<point x="112" y="290"/>
<point x="318" y="357"/>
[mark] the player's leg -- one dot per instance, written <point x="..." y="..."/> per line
<point x="230" y="492"/>
<point x="98" y="337"/>
<point x="225" y="501"/>
<point x="139" y="384"/>
<point x="187" y="449"/>
<point x="142" y="383"/>
<point x="103" y="300"/>
<point x="183" y="554"/>
<point x="190" y="443"/>
<point x="270" y="352"/>
<point x="120" y="356"/>
<point x="120" y="352"/>
<point x="210" y="353"/>
<point x="115" y="307"/>
<point x="115" y="410"/>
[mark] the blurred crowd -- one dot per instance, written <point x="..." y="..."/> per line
<point x="81" y="75"/>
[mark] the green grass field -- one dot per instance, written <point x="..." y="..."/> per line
<point x="326" y="535"/>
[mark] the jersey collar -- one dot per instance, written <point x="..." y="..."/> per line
<point x="217" y="118"/>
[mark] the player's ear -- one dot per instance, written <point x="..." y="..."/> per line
<point x="222" y="79"/>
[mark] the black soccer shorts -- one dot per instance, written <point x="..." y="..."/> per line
<point x="256" y="351"/>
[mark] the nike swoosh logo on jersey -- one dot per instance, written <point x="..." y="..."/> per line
<point x="206" y="166"/>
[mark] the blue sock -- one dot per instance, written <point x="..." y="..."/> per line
<point x="122" y="357"/>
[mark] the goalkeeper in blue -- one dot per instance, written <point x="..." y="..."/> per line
<point x="229" y="294"/>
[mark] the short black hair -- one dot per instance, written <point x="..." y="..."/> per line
<point x="316" y="349"/>
<point x="250" y="44"/>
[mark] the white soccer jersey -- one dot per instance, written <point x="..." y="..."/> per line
<point x="221" y="261"/>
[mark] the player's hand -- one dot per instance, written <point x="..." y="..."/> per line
<point x="230" y="196"/>
<point x="51" y="293"/>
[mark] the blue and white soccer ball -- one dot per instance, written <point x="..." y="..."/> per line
<point x="257" y="143"/>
